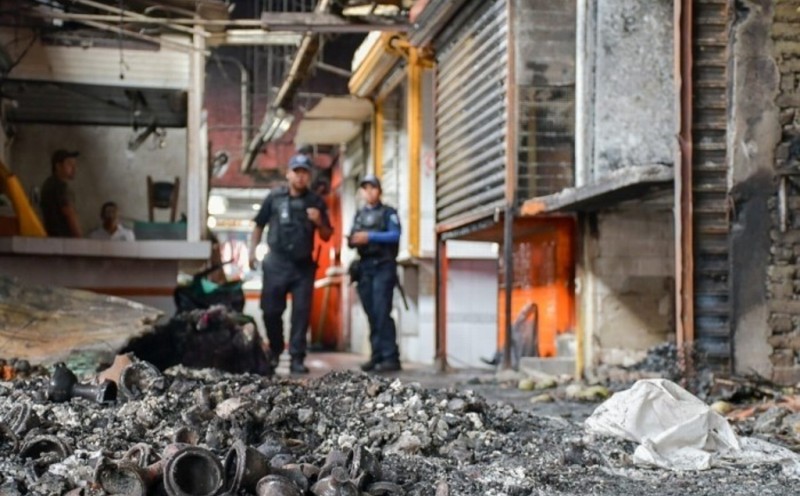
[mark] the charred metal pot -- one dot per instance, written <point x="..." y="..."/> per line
<point x="64" y="386"/>
<point x="123" y="478"/>
<point x="22" y="418"/>
<point x="193" y="471"/>
<point x="277" y="485"/>
<point x="9" y="442"/>
<point x="295" y="473"/>
<point x="244" y="467"/>
<point x="364" y="467"/>
<point x="336" y="484"/>
<point x="140" y="377"/>
<point x="38" y="446"/>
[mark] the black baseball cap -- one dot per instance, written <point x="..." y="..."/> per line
<point x="300" y="162"/>
<point x="370" y="179"/>
<point x="61" y="155"/>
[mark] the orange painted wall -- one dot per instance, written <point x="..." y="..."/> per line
<point x="326" y="315"/>
<point x="544" y="274"/>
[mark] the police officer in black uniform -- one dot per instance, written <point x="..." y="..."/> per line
<point x="376" y="236"/>
<point x="292" y="213"/>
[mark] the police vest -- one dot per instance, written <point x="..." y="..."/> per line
<point x="291" y="233"/>
<point x="374" y="219"/>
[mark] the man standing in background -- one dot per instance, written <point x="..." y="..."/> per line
<point x="57" y="199"/>
<point x="293" y="214"/>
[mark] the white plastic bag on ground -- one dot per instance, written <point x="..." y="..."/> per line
<point x="677" y="431"/>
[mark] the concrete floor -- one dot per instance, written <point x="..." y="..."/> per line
<point x="321" y="363"/>
<point x="483" y="381"/>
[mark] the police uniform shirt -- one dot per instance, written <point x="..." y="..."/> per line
<point x="281" y="210"/>
<point x="383" y="228"/>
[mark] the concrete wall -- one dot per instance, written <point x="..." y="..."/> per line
<point x="628" y="273"/>
<point x="631" y="59"/>
<point x="106" y="169"/>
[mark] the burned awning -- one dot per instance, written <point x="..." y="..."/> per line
<point x="621" y="185"/>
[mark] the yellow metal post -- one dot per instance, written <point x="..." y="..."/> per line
<point x="414" y="113"/>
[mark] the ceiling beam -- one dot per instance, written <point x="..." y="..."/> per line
<point x="323" y="22"/>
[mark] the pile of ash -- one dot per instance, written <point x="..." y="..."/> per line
<point x="355" y="433"/>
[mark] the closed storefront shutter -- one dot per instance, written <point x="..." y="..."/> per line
<point x="471" y="116"/>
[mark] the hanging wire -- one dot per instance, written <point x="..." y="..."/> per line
<point x="122" y="65"/>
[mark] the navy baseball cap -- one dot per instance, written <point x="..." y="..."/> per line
<point x="370" y="179"/>
<point x="300" y="162"/>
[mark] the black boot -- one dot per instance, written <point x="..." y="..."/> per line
<point x="297" y="367"/>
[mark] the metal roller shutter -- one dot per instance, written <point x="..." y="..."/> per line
<point x="471" y="116"/>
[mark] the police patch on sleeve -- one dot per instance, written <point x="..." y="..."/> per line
<point x="393" y="218"/>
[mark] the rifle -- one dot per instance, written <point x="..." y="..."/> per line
<point x="402" y="292"/>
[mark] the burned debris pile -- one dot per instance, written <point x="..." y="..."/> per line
<point x="210" y="432"/>
<point x="216" y="337"/>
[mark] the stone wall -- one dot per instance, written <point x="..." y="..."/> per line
<point x="783" y="275"/>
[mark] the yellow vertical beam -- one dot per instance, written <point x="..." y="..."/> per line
<point x="414" y="112"/>
<point x="377" y="139"/>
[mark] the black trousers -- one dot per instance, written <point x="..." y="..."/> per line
<point x="376" y="289"/>
<point x="282" y="278"/>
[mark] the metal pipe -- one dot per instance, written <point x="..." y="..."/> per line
<point x="783" y="213"/>
<point x="684" y="236"/>
<point x="334" y="70"/>
<point x="158" y="41"/>
<point x="511" y="181"/>
<point x="581" y="96"/>
<point x="508" y="266"/>
<point x="441" y="302"/>
<point x="134" y="15"/>
<point x="120" y="19"/>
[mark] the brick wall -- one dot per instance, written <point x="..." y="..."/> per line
<point x="783" y="276"/>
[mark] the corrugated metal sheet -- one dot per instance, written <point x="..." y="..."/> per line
<point x="712" y="298"/>
<point x="471" y="116"/>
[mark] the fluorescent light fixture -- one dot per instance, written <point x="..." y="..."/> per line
<point x="217" y="205"/>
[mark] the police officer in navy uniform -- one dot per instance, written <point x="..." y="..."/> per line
<point x="293" y="214"/>
<point x="376" y="236"/>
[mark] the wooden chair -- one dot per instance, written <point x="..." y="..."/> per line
<point x="162" y="194"/>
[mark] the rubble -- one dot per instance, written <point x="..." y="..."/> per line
<point x="423" y="442"/>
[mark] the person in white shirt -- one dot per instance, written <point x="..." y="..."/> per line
<point x="111" y="228"/>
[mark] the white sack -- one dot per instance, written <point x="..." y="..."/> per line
<point x="677" y="431"/>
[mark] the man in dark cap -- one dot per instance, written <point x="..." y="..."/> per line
<point x="57" y="199"/>
<point x="293" y="214"/>
<point x="376" y="236"/>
